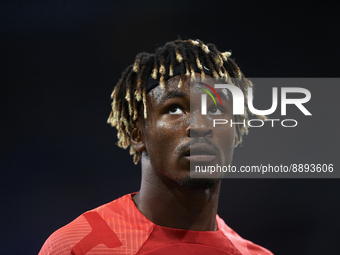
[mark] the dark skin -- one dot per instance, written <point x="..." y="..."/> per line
<point x="168" y="196"/>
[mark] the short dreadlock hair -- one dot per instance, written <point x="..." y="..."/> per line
<point x="150" y="70"/>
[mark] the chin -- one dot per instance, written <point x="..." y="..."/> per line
<point x="206" y="183"/>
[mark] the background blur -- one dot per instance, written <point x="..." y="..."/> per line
<point x="60" y="62"/>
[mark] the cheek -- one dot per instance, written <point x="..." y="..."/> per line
<point x="226" y="141"/>
<point x="164" y="136"/>
<point x="226" y="134"/>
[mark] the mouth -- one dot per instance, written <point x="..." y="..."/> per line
<point x="201" y="152"/>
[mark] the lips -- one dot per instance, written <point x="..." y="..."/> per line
<point x="201" y="152"/>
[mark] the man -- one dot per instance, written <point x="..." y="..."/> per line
<point x="156" y="110"/>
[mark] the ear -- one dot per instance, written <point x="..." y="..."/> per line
<point x="137" y="140"/>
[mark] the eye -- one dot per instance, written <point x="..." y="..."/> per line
<point x="215" y="111"/>
<point x="175" y="110"/>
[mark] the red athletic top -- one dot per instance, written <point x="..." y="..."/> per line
<point x="120" y="228"/>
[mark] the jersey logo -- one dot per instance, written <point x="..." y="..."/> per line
<point x="101" y="234"/>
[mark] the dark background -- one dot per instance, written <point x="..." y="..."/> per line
<point x="60" y="62"/>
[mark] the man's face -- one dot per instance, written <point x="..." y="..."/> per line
<point x="176" y="135"/>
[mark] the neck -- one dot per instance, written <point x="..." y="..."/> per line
<point x="168" y="204"/>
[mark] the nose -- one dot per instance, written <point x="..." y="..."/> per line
<point x="199" y="126"/>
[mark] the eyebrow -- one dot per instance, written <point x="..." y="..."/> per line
<point x="224" y="95"/>
<point x="172" y="94"/>
<point x="225" y="92"/>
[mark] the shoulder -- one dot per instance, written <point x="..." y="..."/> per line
<point x="244" y="246"/>
<point x="113" y="228"/>
<point x="85" y="232"/>
<point x="62" y="240"/>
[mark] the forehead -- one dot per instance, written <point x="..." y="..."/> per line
<point x="158" y="95"/>
<point x="189" y="89"/>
